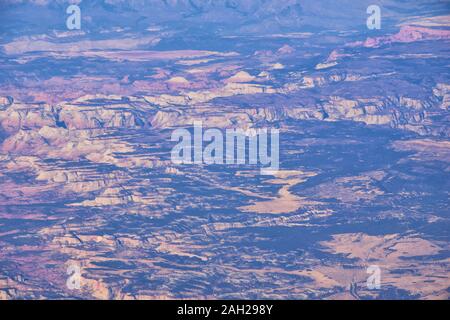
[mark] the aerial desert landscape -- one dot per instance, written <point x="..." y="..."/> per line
<point x="92" y="206"/>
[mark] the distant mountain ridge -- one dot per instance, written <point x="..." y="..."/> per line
<point x="218" y="16"/>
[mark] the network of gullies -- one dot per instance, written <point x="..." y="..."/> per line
<point x="92" y="205"/>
